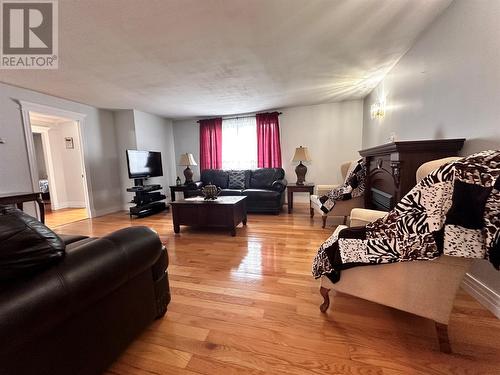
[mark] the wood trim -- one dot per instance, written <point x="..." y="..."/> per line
<point x="450" y="145"/>
<point x="27" y="107"/>
<point x="54" y="196"/>
<point x="484" y="295"/>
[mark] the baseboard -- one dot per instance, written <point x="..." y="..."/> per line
<point x="75" y="204"/>
<point x="106" y="211"/>
<point x="486" y="296"/>
<point x="70" y="204"/>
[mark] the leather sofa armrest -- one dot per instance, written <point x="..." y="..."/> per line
<point x="279" y="185"/>
<point x="196" y="185"/>
<point x="91" y="269"/>
<point x="363" y="216"/>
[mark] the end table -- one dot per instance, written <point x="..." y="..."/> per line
<point x="174" y="188"/>
<point x="294" y="188"/>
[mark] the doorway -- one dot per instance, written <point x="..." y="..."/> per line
<point x="58" y="168"/>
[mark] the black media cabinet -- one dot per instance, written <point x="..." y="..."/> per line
<point x="148" y="200"/>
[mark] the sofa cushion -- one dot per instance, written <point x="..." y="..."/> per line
<point x="230" y="192"/>
<point x="217" y="177"/>
<point x="261" y="194"/>
<point x="263" y="178"/>
<point x="71" y="238"/>
<point x="26" y="245"/>
<point x="236" y="179"/>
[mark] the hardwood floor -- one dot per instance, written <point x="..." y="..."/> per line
<point x="249" y="305"/>
<point x="64" y="216"/>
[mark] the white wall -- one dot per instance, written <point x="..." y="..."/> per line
<point x="40" y="157"/>
<point x="59" y="196"/>
<point x="125" y="140"/>
<point x="71" y="164"/>
<point x="155" y="133"/>
<point x="332" y="132"/>
<point x="143" y="131"/>
<point x="187" y="140"/>
<point x="98" y="142"/>
<point x="447" y="86"/>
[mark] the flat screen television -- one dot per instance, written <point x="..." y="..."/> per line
<point x="142" y="164"/>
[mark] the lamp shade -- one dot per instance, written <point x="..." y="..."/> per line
<point x="187" y="160"/>
<point x="301" y="154"/>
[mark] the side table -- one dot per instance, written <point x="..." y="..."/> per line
<point x="294" y="188"/>
<point x="19" y="198"/>
<point x="174" y="188"/>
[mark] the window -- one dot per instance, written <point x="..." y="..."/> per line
<point x="239" y="143"/>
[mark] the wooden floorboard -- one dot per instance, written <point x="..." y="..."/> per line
<point x="249" y="305"/>
<point x="64" y="216"/>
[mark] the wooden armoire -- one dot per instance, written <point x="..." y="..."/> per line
<point x="391" y="168"/>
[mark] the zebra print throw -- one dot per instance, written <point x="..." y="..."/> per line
<point x="454" y="211"/>
<point x="353" y="186"/>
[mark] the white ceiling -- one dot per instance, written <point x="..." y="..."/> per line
<point x="186" y="58"/>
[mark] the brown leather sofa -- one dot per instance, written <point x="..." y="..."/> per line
<point x="77" y="316"/>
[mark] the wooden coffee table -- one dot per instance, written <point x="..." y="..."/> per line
<point x="225" y="212"/>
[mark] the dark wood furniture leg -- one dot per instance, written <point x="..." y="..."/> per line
<point x="326" y="299"/>
<point x="41" y="207"/>
<point x="172" y="194"/>
<point x="233" y="231"/>
<point x="444" y="340"/>
<point x="324" y="221"/>
<point x="311" y="210"/>
<point x="290" y="201"/>
<point x="177" y="228"/>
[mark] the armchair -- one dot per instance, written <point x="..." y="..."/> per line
<point x="431" y="297"/>
<point x="341" y="208"/>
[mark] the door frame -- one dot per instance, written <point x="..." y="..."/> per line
<point x="79" y="119"/>
<point x="44" y="132"/>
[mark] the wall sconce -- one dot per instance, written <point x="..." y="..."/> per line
<point x="377" y="110"/>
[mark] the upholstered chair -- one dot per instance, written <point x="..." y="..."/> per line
<point x="341" y="208"/>
<point x="423" y="288"/>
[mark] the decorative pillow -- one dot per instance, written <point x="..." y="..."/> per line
<point x="26" y="245"/>
<point x="236" y="179"/>
<point x="469" y="201"/>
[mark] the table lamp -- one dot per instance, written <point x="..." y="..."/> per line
<point x="187" y="160"/>
<point x="301" y="154"/>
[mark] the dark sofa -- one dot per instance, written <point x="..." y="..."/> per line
<point x="264" y="187"/>
<point x="78" y="315"/>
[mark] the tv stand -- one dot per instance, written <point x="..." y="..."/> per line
<point x="148" y="199"/>
<point x="138" y="182"/>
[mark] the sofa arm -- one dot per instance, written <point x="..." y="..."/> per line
<point x="279" y="185"/>
<point x="363" y="216"/>
<point x="324" y="189"/>
<point x="91" y="270"/>
<point x="196" y="185"/>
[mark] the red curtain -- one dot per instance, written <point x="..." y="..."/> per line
<point x="268" y="140"/>
<point x="211" y="144"/>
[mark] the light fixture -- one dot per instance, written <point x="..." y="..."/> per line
<point x="377" y="110"/>
<point x="187" y="160"/>
<point x="301" y="154"/>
